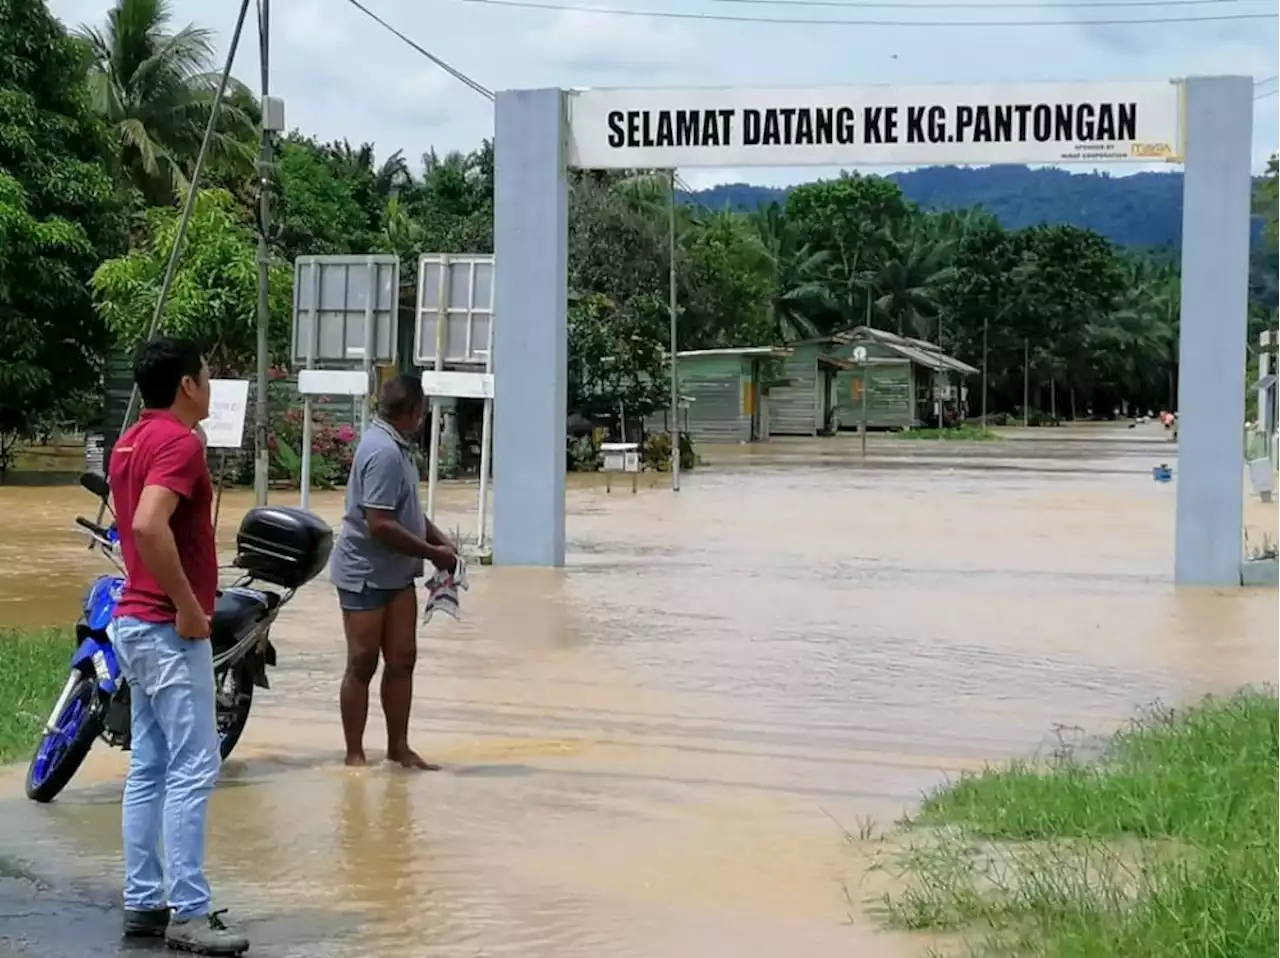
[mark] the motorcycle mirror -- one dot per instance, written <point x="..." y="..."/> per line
<point x="96" y="484"/>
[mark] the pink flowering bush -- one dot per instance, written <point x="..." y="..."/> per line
<point x="332" y="447"/>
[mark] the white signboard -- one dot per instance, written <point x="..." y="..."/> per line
<point x="228" y="404"/>
<point x="458" y="385"/>
<point x="864" y="126"/>
<point x="336" y="382"/>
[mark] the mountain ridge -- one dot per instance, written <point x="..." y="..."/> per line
<point x="1139" y="210"/>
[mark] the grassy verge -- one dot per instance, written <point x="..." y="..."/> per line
<point x="961" y="433"/>
<point x="1165" y="847"/>
<point x="33" y="668"/>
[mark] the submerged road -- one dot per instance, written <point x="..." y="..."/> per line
<point x="647" y="754"/>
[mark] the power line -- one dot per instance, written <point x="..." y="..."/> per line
<point x="1263" y="96"/>
<point x="1265" y="80"/>
<point x="962" y="5"/>
<point x="455" y="73"/>
<point x="690" y="192"/>
<point x="866" y="4"/>
<point x="824" y="22"/>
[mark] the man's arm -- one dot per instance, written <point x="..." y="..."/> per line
<point x="170" y="479"/>
<point x="381" y="477"/>
<point x="431" y="532"/>
<point x="384" y="528"/>
<point x="157" y="548"/>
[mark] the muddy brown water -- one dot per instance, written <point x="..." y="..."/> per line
<point x="648" y="752"/>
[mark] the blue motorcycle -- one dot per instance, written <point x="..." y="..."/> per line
<point x="95" y="700"/>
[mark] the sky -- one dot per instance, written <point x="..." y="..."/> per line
<point x="342" y="76"/>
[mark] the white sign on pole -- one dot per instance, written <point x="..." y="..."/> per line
<point x="865" y="126"/>
<point x="228" y="405"/>
<point x="457" y="385"/>
<point x="333" y="382"/>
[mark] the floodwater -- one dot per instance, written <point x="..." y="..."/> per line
<point x="655" y="752"/>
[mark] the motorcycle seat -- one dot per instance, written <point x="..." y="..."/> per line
<point x="235" y="611"/>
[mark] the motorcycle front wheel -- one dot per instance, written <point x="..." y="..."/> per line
<point x="60" y="752"/>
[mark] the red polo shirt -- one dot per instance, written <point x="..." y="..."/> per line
<point x="160" y="451"/>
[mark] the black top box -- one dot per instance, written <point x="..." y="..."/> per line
<point x="282" y="545"/>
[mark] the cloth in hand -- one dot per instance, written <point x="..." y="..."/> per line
<point x="442" y="591"/>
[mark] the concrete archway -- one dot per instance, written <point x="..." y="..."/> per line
<point x="1204" y="122"/>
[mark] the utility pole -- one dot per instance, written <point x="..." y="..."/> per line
<point x="1026" y="382"/>
<point x="675" y="363"/>
<point x="272" y="123"/>
<point x="984" y="372"/>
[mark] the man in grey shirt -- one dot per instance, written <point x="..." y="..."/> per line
<point x="380" y="552"/>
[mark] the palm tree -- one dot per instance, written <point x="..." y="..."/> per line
<point x="393" y="176"/>
<point x="1136" y="348"/>
<point x="155" y="90"/>
<point x="401" y="233"/>
<point x="907" y="282"/>
<point x="800" y="289"/>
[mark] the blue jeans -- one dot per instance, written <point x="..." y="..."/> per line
<point x="173" y="766"/>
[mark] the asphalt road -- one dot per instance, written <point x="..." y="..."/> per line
<point x="42" y="917"/>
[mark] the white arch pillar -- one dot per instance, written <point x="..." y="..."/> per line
<point x="1216" y="205"/>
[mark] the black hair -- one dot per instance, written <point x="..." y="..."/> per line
<point x="160" y="367"/>
<point x="400" y="396"/>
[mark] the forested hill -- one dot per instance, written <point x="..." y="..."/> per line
<point x="1143" y="209"/>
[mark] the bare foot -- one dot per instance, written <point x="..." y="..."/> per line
<point x="355" y="760"/>
<point x="408" y="758"/>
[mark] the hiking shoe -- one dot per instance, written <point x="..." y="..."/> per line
<point x="206" y="935"/>
<point x="145" y="922"/>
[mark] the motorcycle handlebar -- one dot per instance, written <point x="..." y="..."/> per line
<point x="92" y="527"/>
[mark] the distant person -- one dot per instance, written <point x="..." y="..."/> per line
<point x="163" y="496"/>
<point x="385" y="538"/>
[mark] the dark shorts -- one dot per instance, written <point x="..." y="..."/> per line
<point x="367" y="599"/>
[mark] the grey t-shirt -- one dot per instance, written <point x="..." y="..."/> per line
<point x="383" y="476"/>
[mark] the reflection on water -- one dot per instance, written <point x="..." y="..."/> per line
<point x="645" y="752"/>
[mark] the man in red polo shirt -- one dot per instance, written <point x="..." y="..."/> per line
<point x="163" y="498"/>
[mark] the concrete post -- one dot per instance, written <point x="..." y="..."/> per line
<point x="530" y="336"/>
<point x="450" y="439"/>
<point x="1211" y="360"/>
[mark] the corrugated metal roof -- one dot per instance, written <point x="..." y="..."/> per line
<point x="951" y="362"/>
<point x="921" y="351"/>
<point x="918" y="356"/>
<point x="776" y="352"/>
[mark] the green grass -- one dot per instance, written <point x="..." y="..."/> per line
<point x="33" y="669"/>
<point x="1164" y="847"/>
<point x="963" y="433"/>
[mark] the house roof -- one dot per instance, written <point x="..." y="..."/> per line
<point x="775" y="352"/>
<point x="919" y="351"/>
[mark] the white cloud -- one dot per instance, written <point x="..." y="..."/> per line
<point x="343" y="76"/>
<point x="424" y="96"/>
<point x="633" y="47"/>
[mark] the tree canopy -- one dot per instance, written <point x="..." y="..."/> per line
<point x="155" y="88"/>
<point x="60" y="215"/>
<point x="1069" y="281"/>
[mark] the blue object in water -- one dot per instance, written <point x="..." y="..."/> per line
<point x="1161" y="473"/>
